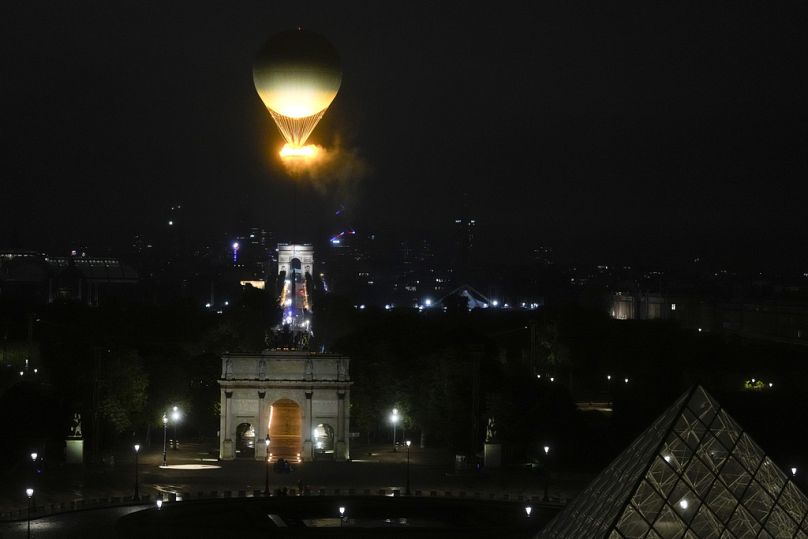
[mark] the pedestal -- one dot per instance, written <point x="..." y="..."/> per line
<point x="492" y="458"/>
<point x="340" y="451"/>
<point x="227" y="450"/>
<point x="74" y="451"/>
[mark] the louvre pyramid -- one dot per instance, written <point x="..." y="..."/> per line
<point x="693" y="474"/>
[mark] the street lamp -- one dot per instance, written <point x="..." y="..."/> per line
<point x="165" y="433"/>
<point x="266" y="468"/>
<point x="176" y="415"/>
<point x="528" y="509"/>
<point x="137" y="493"/>
<point x="394" y="417"/>
<point x="341" y="514"/>
<point x="30" y="493"/>
<point x="408" y="467"/>
<point x="794" y="471"/>
<point x="546" y="471"/>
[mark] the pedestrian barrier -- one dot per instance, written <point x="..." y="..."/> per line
<point x="52" y="508"/>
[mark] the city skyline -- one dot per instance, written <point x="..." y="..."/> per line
<point x="664" y="140"/>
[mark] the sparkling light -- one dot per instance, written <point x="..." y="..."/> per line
<point x="299" y="152"/>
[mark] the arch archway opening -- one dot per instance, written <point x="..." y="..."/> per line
<point x="323" y="439"/>
<point x="285" y="430"/>
<point x="245" y="440"/>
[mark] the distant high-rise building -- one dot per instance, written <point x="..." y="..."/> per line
<point x="543" y="255"/>
<point x="465" y="226"/>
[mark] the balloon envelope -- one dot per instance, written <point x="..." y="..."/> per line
<point x="297" y="74"/>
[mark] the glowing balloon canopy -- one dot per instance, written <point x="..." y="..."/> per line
<point x="297" y="75"/>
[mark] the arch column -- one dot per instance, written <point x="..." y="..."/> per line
<point x="226" y="424"/>
<point x="340" y="452"/>
<point x="307" y="422"/>
<point x="261" y="431"/>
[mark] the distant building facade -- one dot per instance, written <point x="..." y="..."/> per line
<point x="773" y="319"/>
<point x="38" y="278"/>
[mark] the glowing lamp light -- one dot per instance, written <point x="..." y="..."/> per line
<point x="528" y="510"/>
<point x="137" y="448"/>
<point x="546" y="450"/>
<point x="667" y="458"/>
<point x="625" y="380"/>
<point x="794" y="471"/>
<point x="341" y="511"/>
<point x="159" y="504"/>
<point x="29" y="492"/>
<point x="683" y="504"/>
<point x="408" y="443"/>
<point x="33" y="456"/>
<point x="235" y="246"/>
<point x="165" y="419"/>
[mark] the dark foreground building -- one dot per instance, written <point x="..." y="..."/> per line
<point x="694" y="474"/>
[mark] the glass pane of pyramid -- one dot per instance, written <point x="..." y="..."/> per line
<point x="694" y="474"/>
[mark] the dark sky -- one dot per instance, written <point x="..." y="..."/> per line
<point x="658" y="130"/>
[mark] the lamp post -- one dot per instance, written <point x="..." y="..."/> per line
<point x="137" y="481"/>
<point x="546" y="471"/>
<point x="408" y="468"/>
<point x="394" y="417"/>
<point x="30" y="493"/>
<point x="266" y="468"/>
<point x="33" y="463"/>
<point x="175" y="417"/>
<point x="341" y="515"/>
<point x="165" y="433"/>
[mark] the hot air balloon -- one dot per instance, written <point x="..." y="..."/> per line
<point x="297" y="74"/>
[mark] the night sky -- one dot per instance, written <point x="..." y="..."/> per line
<point x="639" y="131"/>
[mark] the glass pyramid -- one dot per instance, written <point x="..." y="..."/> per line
<point x="693" y="474"/>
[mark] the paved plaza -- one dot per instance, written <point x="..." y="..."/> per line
<point x="194" y="468"/>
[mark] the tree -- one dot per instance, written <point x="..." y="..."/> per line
<point x="123" y="390"/>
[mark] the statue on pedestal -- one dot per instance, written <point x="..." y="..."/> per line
<point x="75" y="427"/>
<point x="491" y="431"/>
